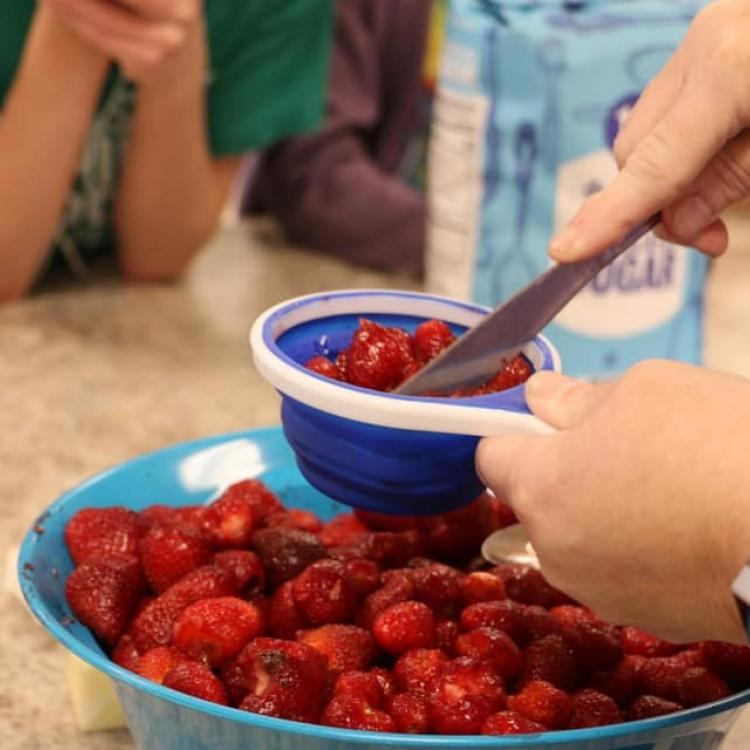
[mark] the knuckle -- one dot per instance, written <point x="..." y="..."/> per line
<point x="621" y="148"/>
<point x="733" y="179"/>
<point x="650" y="163"/>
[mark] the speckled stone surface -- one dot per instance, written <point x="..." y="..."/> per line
<point x="93" y="374"/>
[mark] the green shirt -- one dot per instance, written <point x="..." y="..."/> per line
<point x="267" y="79"/>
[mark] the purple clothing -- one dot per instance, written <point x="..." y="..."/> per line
<point x="339" y="190"/>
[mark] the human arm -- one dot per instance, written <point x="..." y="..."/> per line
<point x="638" y="505"/>
<point x="337" y="190"/>
<point x="41" y="144"/>
<point x="685" y="148"/>
<point x="172" y="188"/>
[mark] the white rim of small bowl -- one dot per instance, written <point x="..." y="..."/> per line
<point x="371" y="407"/>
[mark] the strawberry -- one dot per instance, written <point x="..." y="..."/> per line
<point x="375" y="521"/>
<point x="294" y="518"/>
<point x="436" y="586"/>
<point x="397" y="588"/>
<point x="343" y="530"/>
<point x="539" y="622"/>
<point x="446" y="632"/>
<point x="493" y="647"/>
<point x="662" y="675"/>
<point x="593" y="709"/>
<point x="168" y="515"/>
<point x="196" y="679"/>
<point x="543" y="703"/>
<point x="456" y="536"/>
<point x="354" y="712"/>
<point x="154" y="624"/>
<point x="95" y="532"/>
<point x="528" y="586"/>
<point x="480" y="587"/>
<point x="409" y="712"/>
<point x="569" y="614"/>
<point x="513" y="373"/>
<point x="504" y="515"/>
<point x="365" y="684"/>
<point x="510" y="722"/>
<point x="345" y="647"/>
<point x="285" y="553"/>
<point x="245" y="568"/>
<point x="323" y="366"/>
<point x="285" y="679"/>
<point x="507" y="616"/>
<point x="699" y="686"/>
<point x="284" y="619"/>
<point x="169" y="552"/>
<point x="323" y="594"/>
<point x="620" y="682"/>
<point x="103" y="593"/>
<point x="377" y="356"/>
<point x="650" y="706"/>
<point x="550" y="659"/>
<point x="431" y="338"/>
<point x="156" y="662"/>
<point x="215" y="630"/>
<point x="729" y="661"/>
<point x="394" y="548"/>
<point x="636" y="641"/>
<point x="362" y="575"/>
<point x="405" y="626"/>
<point x="235" y="682"/>
<point x="386" y="680"/>
<point x="596" y="646"/>
<point x="230" y="521"/>
<point x="463" y="696"/>
<point x="125" y="654"/>
<point x="415" y="670"/>
<point x="253" y="493"/>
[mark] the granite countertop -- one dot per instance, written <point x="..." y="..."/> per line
<point x="93" y="374"/>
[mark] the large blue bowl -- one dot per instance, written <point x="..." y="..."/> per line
<point x="162" y="719"/>
<point x="382" y="451"/>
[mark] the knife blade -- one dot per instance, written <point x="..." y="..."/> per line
<point x="479" y="354"/>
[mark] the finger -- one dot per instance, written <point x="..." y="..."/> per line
<point x="724" y="182"/>
<point x="712" y="241"/>
<point x="108" y="18"/>
<point x="505" y="465"/>
<point x="563" y="402"/>
<point x="656" y="173"/>
<point x="178" y="11"/>
<point x="132" y="55"/>
<point x="655" y="101"/>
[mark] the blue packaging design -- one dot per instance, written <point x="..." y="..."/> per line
<point x="530" y="98"/>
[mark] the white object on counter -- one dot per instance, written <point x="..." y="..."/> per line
<point x="94" y="701"/>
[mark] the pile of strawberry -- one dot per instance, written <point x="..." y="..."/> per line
<point x="382" y="358"/>
<point x="367" y="621"/>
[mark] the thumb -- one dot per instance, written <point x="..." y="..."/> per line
<point x="563" y="402"/>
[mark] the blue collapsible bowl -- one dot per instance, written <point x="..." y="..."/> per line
<point x="162" y="719"/>
<point x="381" y="451"/>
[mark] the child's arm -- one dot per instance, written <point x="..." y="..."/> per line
<point x="172" y="189"/>
<point x="43" y="127"/>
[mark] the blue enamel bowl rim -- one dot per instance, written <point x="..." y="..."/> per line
<point x="477" y="415"/>
<point x="111" y="669"/>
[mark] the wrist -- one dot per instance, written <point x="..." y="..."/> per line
<point x="181" y="78"/>
<point x="55" y="51"/>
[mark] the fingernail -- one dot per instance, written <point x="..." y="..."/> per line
<point x="548" y="386"/>
<point x="567" y="244"/>
<point x="691" y="216"/>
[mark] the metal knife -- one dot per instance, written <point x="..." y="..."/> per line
<point x="478" y="355"/>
